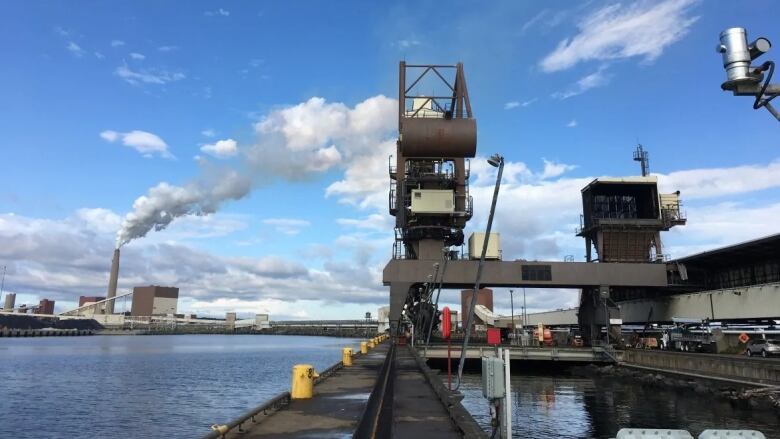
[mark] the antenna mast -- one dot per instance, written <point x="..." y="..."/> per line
<point x="641" y="156"/>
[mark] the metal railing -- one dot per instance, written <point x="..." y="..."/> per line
<point x="376" y="421"/>
<point x="273" y="405"/>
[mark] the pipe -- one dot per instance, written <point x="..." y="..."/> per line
<point x="112" y="281"/>
<point x="498" y="161"/>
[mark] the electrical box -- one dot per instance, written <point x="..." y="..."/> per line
<point x="433" y="201"/>
<point x="492" y="378"/>
<point x="477" y="240"/>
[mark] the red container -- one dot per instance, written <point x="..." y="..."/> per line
<point x="494" y="336"/>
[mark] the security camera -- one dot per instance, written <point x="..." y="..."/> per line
<point x="737" y="54"/>
<point x="742" y="79"/>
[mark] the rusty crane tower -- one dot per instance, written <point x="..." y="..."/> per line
<point x="429" y="183"/>
<point x="429" y="196"/>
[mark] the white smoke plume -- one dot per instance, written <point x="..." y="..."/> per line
<point x="294" y="143"/>
<point x="164" y="203"/>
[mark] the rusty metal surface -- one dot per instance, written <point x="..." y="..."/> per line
<point x="461" y="273"/>
<point x="430" y="137"/>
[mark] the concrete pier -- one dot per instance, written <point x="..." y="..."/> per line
<point x="335" y="409"/>
<point x="738" y="369"/>
<point x="580" y="355"/>
<point x="388" y="392"/>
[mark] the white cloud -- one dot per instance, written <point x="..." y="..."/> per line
<point x="407" y="43"/>
<point x="376" y="221"/>
<point x="117" y="43"/>
<point x="148" y="76"/>
<point x="643" y="29"/>
<point x="75" y="49"/>
<point x="99" y="55"/>
<point x="316" y="136"/>
<point x="596" y="79"/>
<point x="142" y="141"/>
<point x="62" y="31"/>
<point x="167" y="48"/>
<point x="221" y="148"/>
<point x="64" y="258"/>
<point x="572" y="123"/>
<point x="289" y="226"/>
<point x="99" y="219"/>
<point x="209" y="132"/>
<point x="137" y="56"/>
<point x="109" y="135"/>
<point x="514" y="104"/>
<point x="717" y="182"/>
<point x="534" y="20"/>
<point x="364" y="183"/>
<point x="219" y="12"/>
<point x="554" y="169"/>
<point x="722" y="224"/>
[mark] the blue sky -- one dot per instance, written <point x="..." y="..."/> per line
<point x="294" y="100"/>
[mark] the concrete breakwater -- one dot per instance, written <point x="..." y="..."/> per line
<point x="745" y="395"/>
<point x="49" y="332"/>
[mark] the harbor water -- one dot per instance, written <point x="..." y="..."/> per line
<point x="560" y="404"/>
<point x="176" y="386"/>
<point x="171" y="386"/>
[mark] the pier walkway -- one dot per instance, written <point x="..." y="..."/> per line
<point x="417" y="411"/>
<point x="335" y="409"/>
<point x="388" y="392"/>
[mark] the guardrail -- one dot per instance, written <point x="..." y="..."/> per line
<point x="376" y="421"/>
<point x="274" y="404"/>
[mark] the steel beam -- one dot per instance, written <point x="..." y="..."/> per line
<point x="461" y="274"/>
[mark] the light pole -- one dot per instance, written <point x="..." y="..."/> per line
<point x="525" y="312"/>
<point x="496" y="161"/>
<point x="512" y="304"/>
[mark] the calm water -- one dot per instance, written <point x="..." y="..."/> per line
<point x="145" y="386"/>
<point x="564" y="406"/>
<point x="176" y="386"/>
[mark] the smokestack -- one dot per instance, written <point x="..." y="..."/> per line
<point x="10" y="301"/>
<point x="112" y="280"/>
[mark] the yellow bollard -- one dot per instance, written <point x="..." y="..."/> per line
<point x="363" y="347"/>
<point x="346" y="356"/>
<point x="371" y="344"/>
<point x="221" y="429"/>
<point x="303" y="381"/>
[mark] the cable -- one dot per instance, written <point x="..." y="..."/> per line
<point x="769" y="65"/>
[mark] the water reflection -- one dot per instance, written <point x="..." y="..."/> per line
<point x="566" y="406"/>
